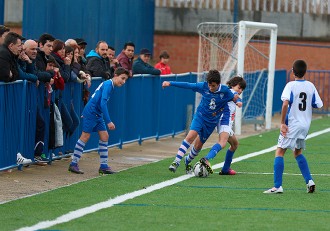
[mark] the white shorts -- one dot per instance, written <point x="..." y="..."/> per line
<point x="290" y="143"/>
<point x="225" y="128"/>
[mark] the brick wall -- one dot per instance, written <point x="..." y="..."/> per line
<point x="183" y="50"/>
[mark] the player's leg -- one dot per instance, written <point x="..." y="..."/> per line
<point x="226" y="170"/>
<point x="198" y="145"/>
<point x="278" y="171"/>
<point x="103" y="152"/>
<point x="77" y="153"/>
<point x="191" y="136"/>
<point x="282" y="145"/>
<point x="303" y="165"/>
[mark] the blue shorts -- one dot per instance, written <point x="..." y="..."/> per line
<point x="203" y="128"/>
<point x="93" y="123"/>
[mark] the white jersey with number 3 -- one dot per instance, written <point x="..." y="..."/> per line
<point x="303" y="97"/>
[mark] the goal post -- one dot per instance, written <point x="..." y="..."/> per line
<point x="247" y="49"/>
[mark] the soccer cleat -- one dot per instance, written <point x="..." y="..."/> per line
<point x="274" y="190"/>
<point x="75" y="169"/>
<point x="206" y="164"/>
<point x="311" y="186"/>
<point x="230" y="172"/>
<point x="173" y="167"/>
<point x="107" y="170"/>
<point x="22" y="160"/>
<point x="188" y="166"/>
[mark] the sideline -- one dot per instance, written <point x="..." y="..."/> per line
<point x="119" y="199"/>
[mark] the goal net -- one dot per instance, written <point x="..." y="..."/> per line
<point x="247" y="49"/>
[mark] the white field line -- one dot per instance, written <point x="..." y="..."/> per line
<point x="120" y="199"/>
<point x="271" y="173"/>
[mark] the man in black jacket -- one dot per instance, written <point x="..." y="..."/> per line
<point x="97" y="63"/>
<point x="9" y="51"/>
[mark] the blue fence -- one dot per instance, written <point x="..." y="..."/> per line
<point x="140" y="109"/>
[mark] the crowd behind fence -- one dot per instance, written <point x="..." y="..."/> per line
<point x="140" y="109"/>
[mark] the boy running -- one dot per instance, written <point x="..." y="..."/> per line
<point x="95" y="116"/>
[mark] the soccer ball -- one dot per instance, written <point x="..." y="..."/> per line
<point x="200" y="170"/>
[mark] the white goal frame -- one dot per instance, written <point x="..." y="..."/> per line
<point x="241" y="43"/>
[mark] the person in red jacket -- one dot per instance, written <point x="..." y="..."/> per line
<point x="162" y="65"/>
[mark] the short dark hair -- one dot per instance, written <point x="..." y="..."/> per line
<point x="236" y="80"/>
<point x="121" y="70"/>
<point x="213" y="76"/>
<point x="111" y="48"/>
<point x="129" y="44"/>
<point x="46" y="37"/>
<point x="164" y="55"/>
<point x="3" y="29"/>
<point x="12" y="37"/>
<point x="299" y="68"/>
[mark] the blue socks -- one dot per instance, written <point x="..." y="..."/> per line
<point x="304" y="169"/>
<point x="213" y="152"/>
<point x="228" y="160"/>
<point x="278" y="171"/>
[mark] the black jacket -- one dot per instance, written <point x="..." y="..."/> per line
<point x="8" y="65"/>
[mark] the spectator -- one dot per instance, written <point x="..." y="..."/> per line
<point x="113" y="62"/>
<point x="31" y="49"/>
<point x="162" y="65"/>
<point x="64" y="62"/>
<point x="142" y="66"/>
<point x="125" y="58"/>
<point x="45" y="49"/>
<point x="83" y="62"/>
<point x="76" y="72"/>
<point x="71" y="43"/>
<point x="25" y="68"/>
<point x="97" y="63"/>
<point x="9" y="51"/>
<point x="3" y="32"/>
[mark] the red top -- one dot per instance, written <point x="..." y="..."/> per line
<point x="164" y="68"/>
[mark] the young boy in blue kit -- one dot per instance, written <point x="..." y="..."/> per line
<point x="95" y="119"/>
<point x="213" y="104"/>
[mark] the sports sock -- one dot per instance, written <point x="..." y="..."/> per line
<point x="103" y="151"/>
<point x="278" y="171"/>
<point x="228" y="160"/>
<point x="182" y="151"/>
<point x="193" y="153"/>
<point x="304" y="169"/>
<point x="213" y="152"/>
<point x="78" y="150"/>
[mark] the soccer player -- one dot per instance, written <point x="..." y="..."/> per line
<point x="299" y="97"/>
<point x="214" y="101"/>
<point x="95" y="118"/>
<point x="236" y="84"/>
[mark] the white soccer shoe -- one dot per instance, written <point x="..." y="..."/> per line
<point x="22" y="160"/>
<point x="274" y="190"/>
<point x="311" y="186"/>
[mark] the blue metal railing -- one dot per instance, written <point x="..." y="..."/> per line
<point x="140" y="109"/>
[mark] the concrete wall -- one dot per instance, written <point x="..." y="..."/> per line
<point x="290" y="24"/>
